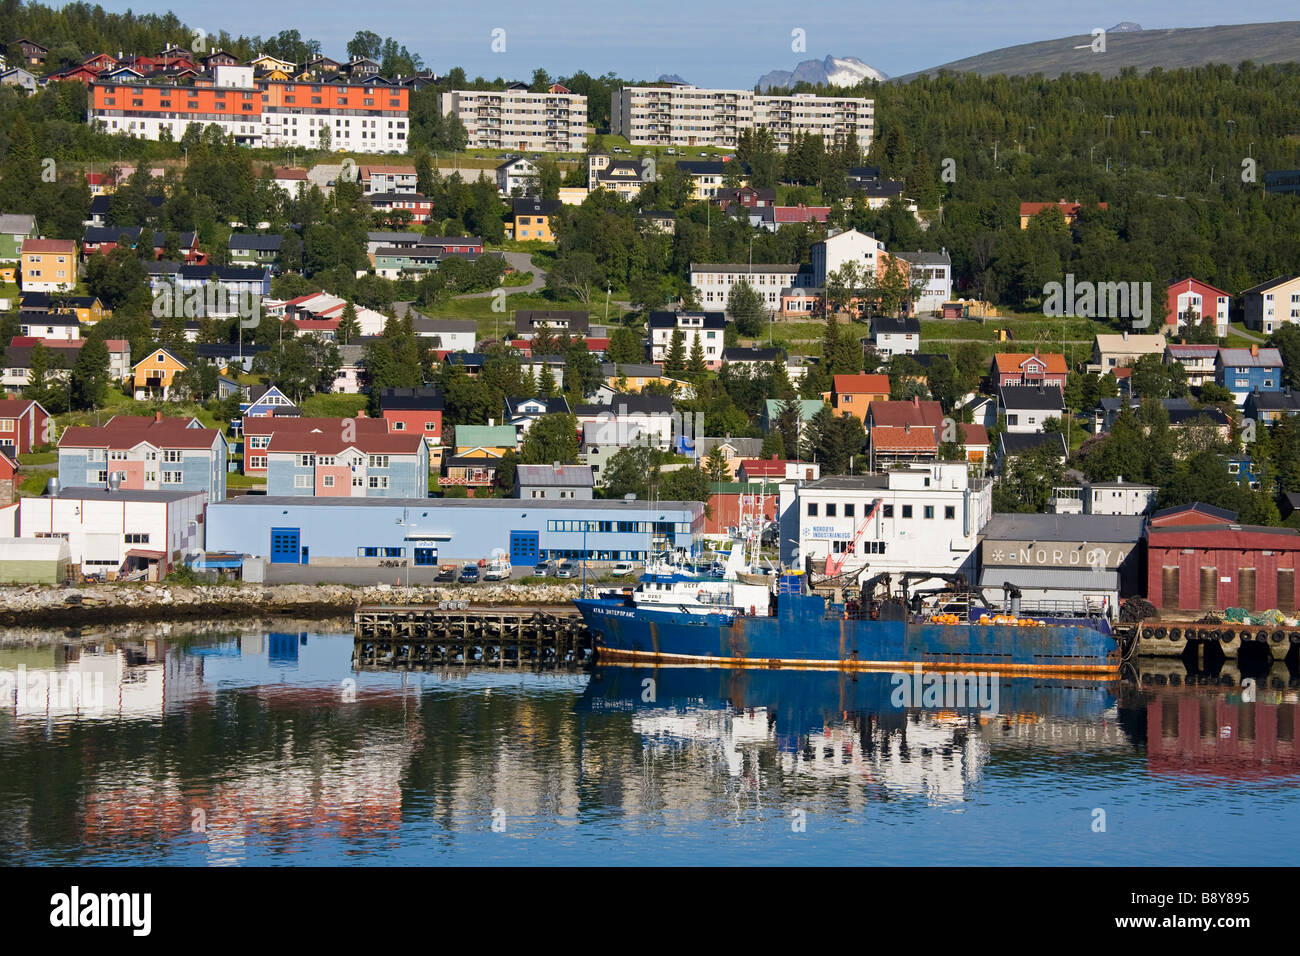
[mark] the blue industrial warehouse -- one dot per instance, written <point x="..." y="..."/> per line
<point x="362" y="532"/>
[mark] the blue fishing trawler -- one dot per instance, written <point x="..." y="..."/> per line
<point x="673" y="616"/>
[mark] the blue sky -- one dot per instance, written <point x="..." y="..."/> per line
<point x="707" y="42"/>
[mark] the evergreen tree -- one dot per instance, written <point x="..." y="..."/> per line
<point x="675" y="359"/>
<point x="696" y="364"/>
<point x="349" y="328"/>
<point x="90" y="374"/>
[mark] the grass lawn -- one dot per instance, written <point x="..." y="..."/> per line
<point x="33" y="482"/>
<point x="236" y="479"/>
<point x="490" y="322"/>
<point x="39" y="458"/>
<point x="118" y="404"/>
<point x="333" y="406"/>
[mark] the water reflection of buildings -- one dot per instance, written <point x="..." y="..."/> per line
<point x="73" y="682"/>
<point x="823" y="727"/>
<point x="1230" y="726"/>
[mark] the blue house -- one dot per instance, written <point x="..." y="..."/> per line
<point x="347" y="461"/>
<point x="149" y="454"/>
<point x="264" y="401"/>
<point x="1243" y="371"/>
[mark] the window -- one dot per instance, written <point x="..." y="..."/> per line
<point x="848" y="510"/>
<point x="830" y="509"/>
<point x="171" y="477"/>
<point x="399" y="426"/>
<point x="907" y="511"/>
<point x="812" y="509"/>
<point x="172" y="455"/>
<point x="889" y="511"/>
<point x="136" y="537"/>
<point x="328" y="481"/>
<point x="378" y="481"/>
<point x="929" y="512"/>
<point x="949" y="512"/>
<point x="302" y="481"/>
<point x="305" y="461"/>
<point x="257" y="461"/>
<point x="378" y="461"/>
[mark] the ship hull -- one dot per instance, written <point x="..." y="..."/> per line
<point x="801" y="635"/>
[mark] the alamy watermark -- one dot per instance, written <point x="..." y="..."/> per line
<point x="171" y="300"/>
<point x="64" y="691"/>
<point x="948" y="690"/>
<point x="1099" y="300"/>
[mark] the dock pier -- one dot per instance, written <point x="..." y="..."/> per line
<point x="1175" y="638"/>
<point x="422" y="636"/>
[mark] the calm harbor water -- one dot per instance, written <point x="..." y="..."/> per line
<point x="261" y="746"/>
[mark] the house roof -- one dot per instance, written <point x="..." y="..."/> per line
<point x="550" y="406"/>
<point x="669" y="320"/>
<point x="259" y="243"/>
<point x="632" y="403"/>
<point x="1053" y="362"/>
<point x="1190" y="281"/>
<point x="914" y="413"/>
<point x="1251" y="358"/>
<point x="555" y="477"/>
<point x="1270" y="284"/>
<point x="272" y="424"/>
<point x="861" y="384"/>
<point x="1018" y="526"/>
<point x="976" y="435"/>
<point x="1192" y="351"/>
<point x="66" y="246"/>
<point x="1194" y="507"/>
<point x="903" y="438"/>
<point x="1013" y="443"/>
<point x="16" y="407"/>
<point x="166" y="351"/>
<point x="123" y="432"/>
<point x="922" y="258"/>
<point x="753" y="355"/>
<point x="611" y="370"/>
<point x="1133" y="344"/>
<point x="330" y="440"/>
<point x="414" y="399"/>
<point x="17" y="223"/>
<point x="535" y="207"/>
<point x="486" y="436"/>
<point x="764" y="467"/>
<point x="895" y="325"/>
<point x="808" y="407"/>
<point x="1045" y="397"/>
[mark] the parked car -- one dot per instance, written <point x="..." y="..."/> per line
<point x="567" y="569"/>
<point x="621" y="568"/>
<point x="469" y="574"/>
<point x="704" y="154"/>
<point x="542" y="570"/>
<point x="670" y="151"/>
<point x="497" y="572"/>
<point x="446" y="573"/>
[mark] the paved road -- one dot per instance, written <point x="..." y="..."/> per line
<point x="520" y="262"/>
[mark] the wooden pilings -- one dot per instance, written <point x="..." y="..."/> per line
<point x="418" y="636"/>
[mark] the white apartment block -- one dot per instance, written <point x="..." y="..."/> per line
<point x="835" y="118"/>
<point x="920" y="518"/>
<point x="370" y="119"/>
<point x="708" y="327"/>
<point x="714" y="281"/>
<point x="551" y="122"/>
<point x="690" y="116"/>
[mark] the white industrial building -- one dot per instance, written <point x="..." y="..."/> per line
<point x="920" y="518"/>
<point x="118" y="531"/>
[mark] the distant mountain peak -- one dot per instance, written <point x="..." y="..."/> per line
<point x="671" y="78"/>
<point x="1128" y="26"/>
<point x="832" y="71"/>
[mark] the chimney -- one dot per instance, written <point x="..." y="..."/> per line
<point x="1125" y="335"/>
<point x="916" y="401"/>
<point x="1254" y="351"/>
<point x="157" y="417"/>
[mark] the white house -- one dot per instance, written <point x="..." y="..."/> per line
<point x="920" y="518"/>
<point x="935" y="269"/>
<point x="830" y="255"/>
<point x="519" y="173"/>
<point x="896" y="335"/>
<point x="115" y="531"/>
<point x="707" y="327"/>
<point x="1026" y="407"/>
<point x="452" y="335"/>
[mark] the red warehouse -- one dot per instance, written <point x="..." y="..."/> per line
<point x="1199" y="558"/>
<point x="730" y="501"/>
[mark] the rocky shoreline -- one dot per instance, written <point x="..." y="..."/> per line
<point x="41" y="606"/>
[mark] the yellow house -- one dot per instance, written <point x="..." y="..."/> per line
<point x="87" y="308"/>
<point x="634" y="378"/>
<point x="153" y="375"/>
<point x="281" y="76"/>
<point x="530" y="220"/>
<point x="268" y="62"/>
<point x="48" y="265"/>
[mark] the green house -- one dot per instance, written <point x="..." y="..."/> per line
<point x="14" y="228"/>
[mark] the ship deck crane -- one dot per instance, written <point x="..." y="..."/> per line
<point x="835" y="562"/>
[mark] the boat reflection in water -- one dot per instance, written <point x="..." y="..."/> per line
<point x="871" y="727"/>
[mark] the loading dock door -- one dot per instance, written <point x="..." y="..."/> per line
<point x="284" y="546"/>
<point x="523" y="548"/>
